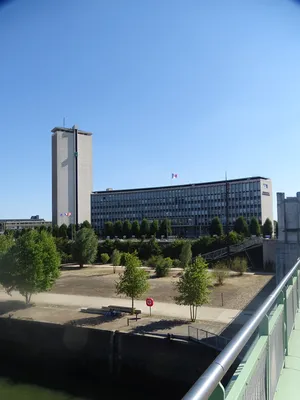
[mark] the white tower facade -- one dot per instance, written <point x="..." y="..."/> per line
<point x="72" y="175"/>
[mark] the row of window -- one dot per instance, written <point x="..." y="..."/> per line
<point x="244" y="188"/>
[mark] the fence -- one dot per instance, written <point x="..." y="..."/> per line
<point x="257" y="376"/>
<point x="208" y="338"/>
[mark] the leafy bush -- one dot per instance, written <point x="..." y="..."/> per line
<point x="104" y="258"/>
<point x="153" y="260"/>
<point x="220" y="273"/>
<point x="176" y="263"/>
<point x="239" y="264"/>
<point x="163" y="266"/>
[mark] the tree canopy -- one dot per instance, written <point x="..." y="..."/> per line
<point x="254" y="227"/>
<point x="127" y="228"/>
<point x="154" y="228"/>
<point x="193" y="286"/>
<point x="134" y="281"/>
<point x="135" y="229"/>
<point x="85" y="247"/>
<point x="241" y="226"/>
<point x="186" y="254"/>
<point x="118" y="229"/>
<point x="216" y="228"/>
<point x="108" y="229"/>
<point x="165" y="228"/>
<point x="144" y="229"/>
<point x="31" y="265"/>
<point x="268" y="228"/>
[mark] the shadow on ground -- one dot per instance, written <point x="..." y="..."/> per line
<point x="95" y="320"/>
<point x="164" y="324"/>
<point x="251" y="307"/>
<point x="12" y="305"/>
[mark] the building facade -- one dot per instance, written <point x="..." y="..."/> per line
<point x="288" y="243"/>
<point x="72" y="177"/>
<point x="189" y="207"/>
<point x="19" y="224"/>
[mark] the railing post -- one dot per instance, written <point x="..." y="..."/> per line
<point x="282" y="298"/>
<point x="218" y="393"/>
<point x="263" y="330"/>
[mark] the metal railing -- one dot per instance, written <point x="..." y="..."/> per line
<point x="219" y="342"/>
<point x="254" y="379"/>
<point x="234" y="248"/>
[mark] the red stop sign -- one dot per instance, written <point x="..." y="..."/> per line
<point x="149" y="302"/>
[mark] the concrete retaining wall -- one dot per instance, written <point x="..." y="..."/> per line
<point x="99" y="356"/>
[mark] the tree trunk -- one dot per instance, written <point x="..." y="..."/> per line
<point x="28" y="298"/>
<point x="191" y="314"/>
<point x="196" y="309"/>
<point x="132" y="305"/>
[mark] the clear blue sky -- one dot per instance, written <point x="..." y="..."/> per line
<point x="193" y="87"/>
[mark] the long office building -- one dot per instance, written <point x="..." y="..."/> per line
<point x="18" y="224"/>
<point x="72" y="181"/>
<point x="189" y="207"/>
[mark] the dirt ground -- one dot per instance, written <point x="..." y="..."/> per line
<point x="236" y="293"/>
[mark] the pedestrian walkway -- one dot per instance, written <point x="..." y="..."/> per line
<point x="205" y="313"/>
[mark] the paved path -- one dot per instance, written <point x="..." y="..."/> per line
<point x="223" y="315"/>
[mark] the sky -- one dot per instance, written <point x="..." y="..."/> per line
<point x="191" y="87"/>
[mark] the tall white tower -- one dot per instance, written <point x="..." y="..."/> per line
<point x="72" y="175"/>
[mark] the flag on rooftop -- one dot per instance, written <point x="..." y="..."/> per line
<point x="174" y="176"/>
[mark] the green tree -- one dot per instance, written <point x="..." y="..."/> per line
<point x="104" y="258"/>
<point x="55" y="230"/>
<point x="149" y="248"/>
<point x="163" y="266"/>
<point x="216" y="228"/>
<point x="71" y="231"/>
<point x="6" y="242"/>
<point x="165" y="228"/>
<point x="116" y="259"/>
<point x="64" y="248"/>
<point x="134" y="281"/>
<point x="154" y="228"/>
<point x="42" y="228"/>
<point x="193" y="286"/>
<point x="144" y="229"/>
<point x="63" y="231"/>
<point x="85" y="224"/>
<point x="268" y="228"/>
<point x="276" y="229"/>
<point x="118" y="229"/>
<point x="240" y="265"/>
<point x="108" y="229"/>
<point x="254" y="227"/>
<point x="49" y="229"/>
<point x="186" y="254"/>
<point x="241" y="226"/>
<point x="127" y="229"/>
<point x="85" y="247"/>
<point x="135" y="229"/>
<point x="220" y="273"/>
<point x="31" y="265"/>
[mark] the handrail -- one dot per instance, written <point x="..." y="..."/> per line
<point x="206" y="384"/>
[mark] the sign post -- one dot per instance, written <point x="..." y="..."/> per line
<point x="149" y="303"/>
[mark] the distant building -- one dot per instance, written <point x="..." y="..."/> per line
<point x="19" y="224"/>
<point x="288" y="244"/>
<point x="189" y="207"/>
<point x="72" y="181"/>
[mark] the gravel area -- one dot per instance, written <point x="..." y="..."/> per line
<point x="236" y="293"/>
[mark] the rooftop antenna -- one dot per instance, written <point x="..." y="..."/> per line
<point x="64" y="122"/>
